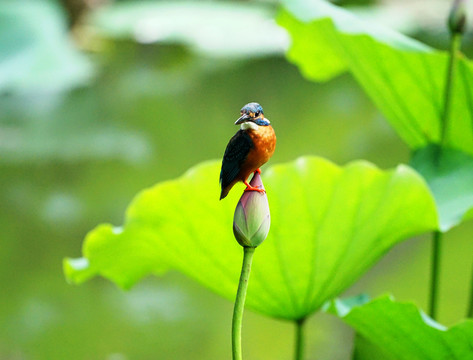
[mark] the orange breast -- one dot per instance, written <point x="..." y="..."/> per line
<point x="264" y="140"/>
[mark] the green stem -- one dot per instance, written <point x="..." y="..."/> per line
<point x="300" y="339"/>
<point x="434" y="275"/>
<point x="240" y="302"/>
<point x="455" y="43"/>
<point x="454" y="47"/>
<point x="470" y="307"/>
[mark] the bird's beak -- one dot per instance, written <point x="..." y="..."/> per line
<point x="242" y="119"/>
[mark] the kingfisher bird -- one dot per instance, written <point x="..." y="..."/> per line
<point x="250" y="148"/>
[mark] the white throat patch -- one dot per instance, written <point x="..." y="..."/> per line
<point x="249" y="125"/>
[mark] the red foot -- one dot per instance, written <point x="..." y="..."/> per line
<point x="251" y="188"/>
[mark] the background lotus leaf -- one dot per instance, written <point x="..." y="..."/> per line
<point x="392" y="330"/>
<point x="403" y="77"/>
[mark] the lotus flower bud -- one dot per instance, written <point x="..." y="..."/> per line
<point x="457" y="17"/>
<point x="252" y="219"/>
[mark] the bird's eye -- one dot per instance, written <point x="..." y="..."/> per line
<point x="257" y="114"/>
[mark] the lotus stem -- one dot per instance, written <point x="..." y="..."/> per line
<point x="434" y="275"/>
<point x="469" y="313"/>
<point x="300" y="339"/>
<point x="248" y="253"/>
<point x="455" y="42"/>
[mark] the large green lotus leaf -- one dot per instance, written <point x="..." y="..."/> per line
<point x="449" y="174"/>
<point x="400" y="331"/>
<point x="404" y="78"/>
<point x="328" y="225"/>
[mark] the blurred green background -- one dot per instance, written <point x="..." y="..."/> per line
<point x="100" y="99"/>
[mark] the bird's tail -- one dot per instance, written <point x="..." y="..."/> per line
<point x="224" y="192"/>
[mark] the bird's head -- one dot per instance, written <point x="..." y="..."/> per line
<point x="252" y="112"/>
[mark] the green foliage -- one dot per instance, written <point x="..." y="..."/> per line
<point x="449" y="174"/>
<point x="403" y="77"/>
<point x="407" y="81"/>
<point x="138" y="87"/>
<point x="402" y="332"/>
<point x="329" y="224"/>
<point x="365" y="350"/>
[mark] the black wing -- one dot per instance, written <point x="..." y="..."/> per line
<point x="235" y="154"/>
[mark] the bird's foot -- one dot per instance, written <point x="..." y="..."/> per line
<point x="252" y="188"/>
